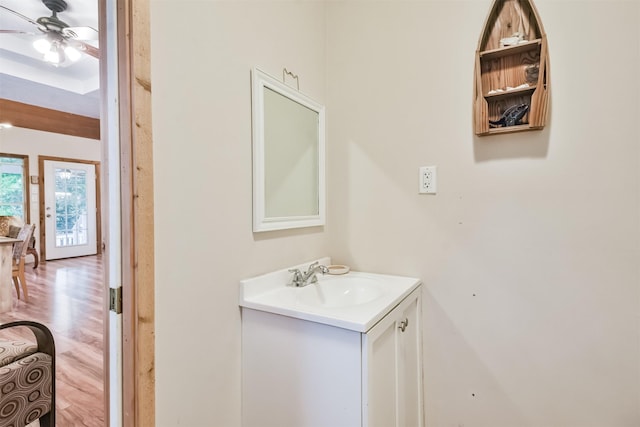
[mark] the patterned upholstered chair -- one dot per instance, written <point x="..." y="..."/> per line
<point x="27" y="378"/>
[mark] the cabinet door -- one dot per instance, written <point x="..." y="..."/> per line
<point x="380" y="375"/>
<point x="392" y="368"/>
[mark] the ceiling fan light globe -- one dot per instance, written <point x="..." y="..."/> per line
<point x="72" y="53"/>
<point x="52" y="56"/>
<point x="42" y="45"/>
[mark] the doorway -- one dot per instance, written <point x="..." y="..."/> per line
<point x="127" y="221"/>
<point x="69" y="225"/>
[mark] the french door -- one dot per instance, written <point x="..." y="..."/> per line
<point x="70" y="209"/>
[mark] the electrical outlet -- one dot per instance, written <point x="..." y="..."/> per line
<point x="427" y="180"/>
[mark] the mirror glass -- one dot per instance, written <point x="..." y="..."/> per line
<point x="288" y="156"/>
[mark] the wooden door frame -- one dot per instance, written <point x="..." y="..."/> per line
<point x="136" y="194"/>
<point x="41" y="187"/>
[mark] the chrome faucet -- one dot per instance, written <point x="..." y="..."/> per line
<point x="300" y="279"/>
<point x="310" y="275"/>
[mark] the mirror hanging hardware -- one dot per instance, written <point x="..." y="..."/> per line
<point x="403" y="324"/>
<point x="286" y="72"/>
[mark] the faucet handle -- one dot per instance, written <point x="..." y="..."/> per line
<point x="322" y="269"/>
<point x="296" y="280"/>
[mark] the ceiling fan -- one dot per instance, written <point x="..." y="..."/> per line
<point x="60" y="42"/>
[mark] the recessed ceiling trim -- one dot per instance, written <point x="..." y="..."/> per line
<point x="57" y="80"/>
<point x="25" y="77"/>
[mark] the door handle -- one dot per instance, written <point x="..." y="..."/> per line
<point x="403" y="324"/>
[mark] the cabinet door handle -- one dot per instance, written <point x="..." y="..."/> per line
<point x="403" y="324"/>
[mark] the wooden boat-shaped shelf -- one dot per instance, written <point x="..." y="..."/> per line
<point x="511" y="70"/>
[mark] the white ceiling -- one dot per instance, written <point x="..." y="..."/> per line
<point x="24" y="77"/>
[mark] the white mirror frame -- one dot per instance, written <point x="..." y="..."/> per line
<point x="260" y="81"/>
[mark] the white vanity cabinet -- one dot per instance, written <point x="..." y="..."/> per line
<point x="301" y="373"/>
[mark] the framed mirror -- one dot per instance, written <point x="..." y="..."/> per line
<point x="288" y="156"/>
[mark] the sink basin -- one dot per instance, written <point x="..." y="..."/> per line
<point x="340" y="292"/>
<point x="354" y="301"/>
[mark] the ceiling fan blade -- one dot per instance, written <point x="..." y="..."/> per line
<point x="16" y="32"/>
<point x="19" y="15"/>
<point x="80" y="33"/>
<point x="86" y="48"/>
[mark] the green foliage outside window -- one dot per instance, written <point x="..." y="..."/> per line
<point x="12" y="187"/>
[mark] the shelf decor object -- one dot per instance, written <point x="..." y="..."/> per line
<point x="511" y="78"/>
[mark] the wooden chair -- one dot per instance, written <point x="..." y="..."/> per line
<point x="19" y="253"/>
<point x="31" y="250"/>
<point x="10" y="226"/>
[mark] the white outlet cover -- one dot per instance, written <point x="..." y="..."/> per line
<point x="427" y="180"/>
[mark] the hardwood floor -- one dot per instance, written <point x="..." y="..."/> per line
<point x="67" y="296"/>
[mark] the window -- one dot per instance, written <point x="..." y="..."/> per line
<point x="14" y="194"/>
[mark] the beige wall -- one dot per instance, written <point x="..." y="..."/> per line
<point x="36" y="143"/>
<point x="529" y="251"/>
<point x="202" y="56"/>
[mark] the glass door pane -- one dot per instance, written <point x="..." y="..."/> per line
<point x="71" y="207"/>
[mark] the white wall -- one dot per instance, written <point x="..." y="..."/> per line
<point x="36" y="143"/>
<point x="202" y="55"/>
<point x="530" y="249"/>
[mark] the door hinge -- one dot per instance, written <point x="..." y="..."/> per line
<point x="115" y="300"/>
